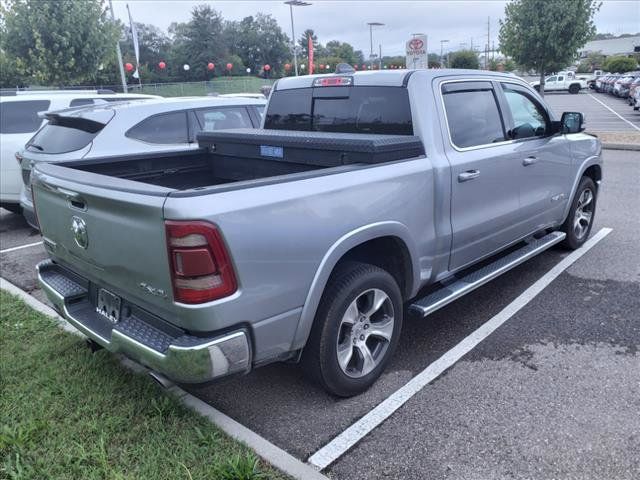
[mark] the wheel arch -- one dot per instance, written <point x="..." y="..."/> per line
<point x="592" y="168"/>
<point x="365" y="245"/>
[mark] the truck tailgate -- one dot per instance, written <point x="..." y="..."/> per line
<point x="113" y="237"/>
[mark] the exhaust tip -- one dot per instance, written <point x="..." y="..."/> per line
<point x="160" y="379"/>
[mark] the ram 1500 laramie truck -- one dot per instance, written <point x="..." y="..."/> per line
<point x="361" y="197"/>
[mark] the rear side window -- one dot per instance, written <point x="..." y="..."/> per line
<point x="223" y="118"/>
<point x="375" y="110"/>
<point x="64" y="134"/>
<point x="472" y="115"/>
<point x="21" y="117"/>
<point x="167" y="128"/>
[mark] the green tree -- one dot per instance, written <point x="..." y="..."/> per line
<point x="56" y="42"/>
<point x="546" y="35"/>
<point x="620" y="64"/>
<point x="464" y="59"/>
<point x="196" y="43"/>
<point x="304" y="44"/>
<point x="344" y="52"/>
<point x="258" y="41"/>
<point x="593" y="61"/>
<point x="434" y="60"/>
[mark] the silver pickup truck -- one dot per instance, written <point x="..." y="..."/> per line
<point x="363" y="196"/>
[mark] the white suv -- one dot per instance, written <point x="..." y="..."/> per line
<point x="19" y="120"/>
<point x="126" y="128"/>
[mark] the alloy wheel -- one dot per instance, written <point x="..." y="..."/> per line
<point x="584" y="214"/>
<point x="365" y="333"/>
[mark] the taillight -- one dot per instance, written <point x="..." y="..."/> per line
<point x="201" y="269"/>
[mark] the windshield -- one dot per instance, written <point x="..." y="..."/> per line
<point x="377" y="110"/>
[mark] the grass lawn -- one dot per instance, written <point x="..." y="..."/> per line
<point x="66" y="413"/>
<point x="219" y="85"/>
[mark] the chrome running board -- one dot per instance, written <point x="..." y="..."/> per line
<point x="458" y="287"/>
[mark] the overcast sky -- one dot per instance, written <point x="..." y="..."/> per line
<point x="460" y="22"/>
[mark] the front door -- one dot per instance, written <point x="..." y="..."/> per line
<point x="484" y="196"/>
<point x="543" y="160"/>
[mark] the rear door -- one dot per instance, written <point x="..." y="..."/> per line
<point x="484" y="198"/>
<point x="108" y="230"/>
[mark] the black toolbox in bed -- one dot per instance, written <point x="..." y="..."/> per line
<point x="321" y="149"/>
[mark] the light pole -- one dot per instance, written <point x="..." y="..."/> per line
<point x="442" y="42"/>
<point x="371" y="25"/>
<point x="295" y="3"/>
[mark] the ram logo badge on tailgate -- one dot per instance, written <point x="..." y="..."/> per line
<point x="79" y="229"/>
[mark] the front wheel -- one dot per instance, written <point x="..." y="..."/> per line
<point x="355" y="330"/>
<point x="578" y="224"/>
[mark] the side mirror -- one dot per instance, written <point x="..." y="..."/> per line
<point x="571" y="122"/>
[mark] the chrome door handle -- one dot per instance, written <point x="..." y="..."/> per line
<point x="529" y="161"/>
<point x="468" y="175"/>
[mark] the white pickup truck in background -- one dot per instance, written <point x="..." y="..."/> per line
<point x="562" y="82"/>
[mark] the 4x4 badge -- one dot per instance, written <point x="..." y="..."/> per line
<point x="79" y="229"/>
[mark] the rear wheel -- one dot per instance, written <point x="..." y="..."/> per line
<point x="574" y="88"/>
<point x="578" y="224"/>
<point x="355" y="330"/>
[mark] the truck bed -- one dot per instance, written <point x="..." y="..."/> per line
<point x="244" y="154"/>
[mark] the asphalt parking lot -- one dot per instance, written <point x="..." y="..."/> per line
<point x="553" y="393"/>
<point x="603" y="112"/>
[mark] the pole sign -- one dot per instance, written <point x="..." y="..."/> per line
<point x="417" y="52"/>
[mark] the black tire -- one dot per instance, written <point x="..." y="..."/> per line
<point x="575" y="239"/>
<point x="574" y="88"/>
<point x="349" y="282"/>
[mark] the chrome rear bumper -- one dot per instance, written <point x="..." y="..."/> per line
<point x="181" y="357"/>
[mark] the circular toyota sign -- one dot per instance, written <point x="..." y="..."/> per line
<point x="416" y="44"/>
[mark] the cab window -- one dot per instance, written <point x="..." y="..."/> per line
<point x="551" y="79"/>
<point x="473" y="116"/>
<point x="529" y="117"/>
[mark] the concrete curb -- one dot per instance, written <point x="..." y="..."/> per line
<point x="622" y="146"/>
<point x="273" y="454"/>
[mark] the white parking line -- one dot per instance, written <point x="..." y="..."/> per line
<point x="13" y="249"/>
<point x="352" y="435"/>
<point x="614" y="112"/>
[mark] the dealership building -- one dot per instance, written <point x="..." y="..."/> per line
<point x="626" y="46"/>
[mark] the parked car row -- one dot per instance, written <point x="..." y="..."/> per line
<point x="304" y="240"/>
<point x="616" y="84"/>
<point x="85" y="125"/>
